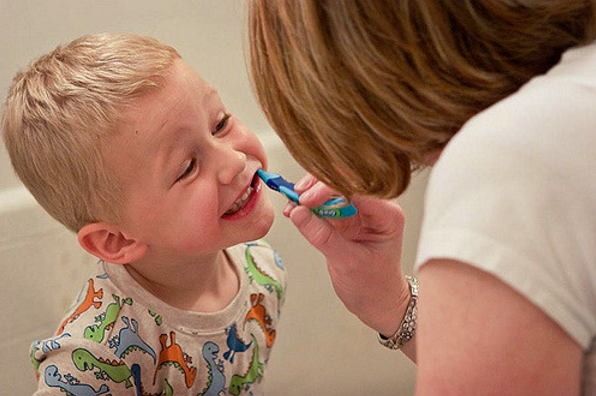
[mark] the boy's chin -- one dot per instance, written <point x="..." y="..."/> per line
<point x="262" y="226"/>
<point x="264" y="223"/>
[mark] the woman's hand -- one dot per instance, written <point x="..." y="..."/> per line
<point x="363" y="253"/>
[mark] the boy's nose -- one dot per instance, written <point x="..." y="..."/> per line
<point x="230" y="164"/>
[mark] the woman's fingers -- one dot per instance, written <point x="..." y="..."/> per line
<point x="317" y="231"/>
<point x="305" y="183"/>
<point x="313" y="192"/>
<point x="317" y="194"/>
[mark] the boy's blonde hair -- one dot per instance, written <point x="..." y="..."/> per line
<point x="63" y="108"/>
<point x="360" y="91"/>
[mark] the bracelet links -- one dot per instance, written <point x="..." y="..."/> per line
<point x="406" y="330"/>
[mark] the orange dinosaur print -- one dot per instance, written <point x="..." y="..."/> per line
<point x="85" y="305"/>
<point x="174" y="355"/>
<point x="259" y="313"/>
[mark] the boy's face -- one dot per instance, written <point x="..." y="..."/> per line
<point x="188" y="170"/>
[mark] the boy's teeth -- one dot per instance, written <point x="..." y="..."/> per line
<point x="239" y="204"/>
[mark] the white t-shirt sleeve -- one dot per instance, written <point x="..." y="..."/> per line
<point x="514" y="194"/>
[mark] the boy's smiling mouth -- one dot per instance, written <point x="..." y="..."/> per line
<point x="239" y="204"/>
<point x="245" y="202"/>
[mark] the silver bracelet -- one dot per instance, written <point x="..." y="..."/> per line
<point x="406" y="330"/>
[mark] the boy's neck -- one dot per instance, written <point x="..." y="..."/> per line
<point x="208" y="286"/>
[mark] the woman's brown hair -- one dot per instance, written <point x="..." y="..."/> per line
<point x="361" y="92"/>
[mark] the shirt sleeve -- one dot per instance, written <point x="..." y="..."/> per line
<point x="87" y="368"/>
<point x="510" y="195"/>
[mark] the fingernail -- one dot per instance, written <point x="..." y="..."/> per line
<point x="288" y="209"/>
<point x="300" y="184"/>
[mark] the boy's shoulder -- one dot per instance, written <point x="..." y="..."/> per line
<point x="97" y="307"/>
<point x="259" y="247"/>
<point x="97" y="333"/>
<point x="259" y="256"/>
<point x="264" y="270"/>
<point x="102" y="314"/>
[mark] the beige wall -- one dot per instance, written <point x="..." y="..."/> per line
<point x="320" y="350"/>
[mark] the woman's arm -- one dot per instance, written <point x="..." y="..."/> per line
<point x="477" y="336"/>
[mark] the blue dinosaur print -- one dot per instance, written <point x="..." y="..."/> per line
<point x="128" y="340"/>
<point x="52" y="344"/>
<point x="234" y="342"/>
<point x="217" y="380"/>
<point x="46" y="346"/>
<point x="71" y="386"/>
<point x="135" y="370"/>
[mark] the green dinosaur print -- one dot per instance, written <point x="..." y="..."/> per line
<point x="257" y="274"/>
<point x="96" y="332"/>
<point x="254" y="372"/>
<point x="106" y="369"/>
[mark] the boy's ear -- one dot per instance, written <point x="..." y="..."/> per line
<point x="107" y="243"/>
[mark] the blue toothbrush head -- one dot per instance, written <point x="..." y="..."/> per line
<point x="278" y="183"/>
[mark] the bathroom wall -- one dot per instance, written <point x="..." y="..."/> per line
<point x="321" y="349"/>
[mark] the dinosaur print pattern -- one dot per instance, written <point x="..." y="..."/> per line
<point x="96" y="332"/>
<point x="119" y="339"/>
<point x="137" y="379"/>
<point x="71" y="386"/>
<point x="87" y="303"/>
<point x="45" y="346"/>
<point x="173" y="354"/>
<point x="116" y="371"/>
<point x="235" y="344"/>
<point x="216" y="378"/>
<point x="257" y="274"/>
<point x="128" y="340"/>
<point x="258" y="313"/>
<point x="254" y="373"/>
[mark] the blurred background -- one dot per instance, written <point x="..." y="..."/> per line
<point x="321" y="349"/>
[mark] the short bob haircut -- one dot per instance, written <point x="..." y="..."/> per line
<point x="363" y="91"/>
<point x="61" y="111"/>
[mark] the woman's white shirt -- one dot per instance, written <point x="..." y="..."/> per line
<point x="514" y="194"/>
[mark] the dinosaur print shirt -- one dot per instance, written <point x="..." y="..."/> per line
<point x="119" y="339"/>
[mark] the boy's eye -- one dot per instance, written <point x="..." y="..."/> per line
<point x="222" y="123"/>
<point x="188" y="171"/>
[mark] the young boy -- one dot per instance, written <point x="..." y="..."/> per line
<point x="123" y="143"/>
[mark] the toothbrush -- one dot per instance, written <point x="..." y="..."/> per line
<point x="336" y="208"/>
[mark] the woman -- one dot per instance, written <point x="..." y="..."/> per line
<point x="500" y="98"/>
